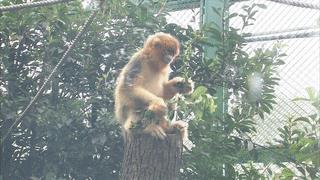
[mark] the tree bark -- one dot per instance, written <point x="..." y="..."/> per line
<point x="148" y="158"/>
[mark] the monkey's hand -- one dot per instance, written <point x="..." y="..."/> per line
<point x="155" y="131"/>
<point x="158" y="106"/>
<point x="182" y="127"/>
<point x="184" y="86"/>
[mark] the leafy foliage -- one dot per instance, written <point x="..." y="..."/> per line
<point x="71" y="132"/>
<point x="250" y="172"/>
<point x="302" y="143"/>
<point x="216" y="137"/>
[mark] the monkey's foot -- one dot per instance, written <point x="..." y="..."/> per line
<point x="182" y="127"/>
<point x="155" y="131"/>
<point x="158" y="106"/>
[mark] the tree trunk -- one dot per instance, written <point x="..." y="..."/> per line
<point x="148" y="158"/>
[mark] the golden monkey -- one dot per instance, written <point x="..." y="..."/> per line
<point x="144" y="84"/>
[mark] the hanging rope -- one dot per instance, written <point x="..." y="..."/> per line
<point x="42" y="88"/>
<point x="315" y="33"/>
<point x="297" y="4"/>
<point x="31" y="5"/>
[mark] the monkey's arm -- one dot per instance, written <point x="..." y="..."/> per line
<point x="169" y="88"/>
<point x="177" y="85"/>
<point x="154" y="103"/>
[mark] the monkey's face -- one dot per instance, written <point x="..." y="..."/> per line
<point x="164" y="47"/>
<point x="165" y="53"/>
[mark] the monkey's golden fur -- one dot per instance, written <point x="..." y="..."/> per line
<point x="144" y="84"/>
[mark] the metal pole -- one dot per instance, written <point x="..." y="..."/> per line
<point x="211" y="18"/>
<point x="214" y="20"/>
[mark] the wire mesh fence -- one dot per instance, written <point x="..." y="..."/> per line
<point x="296" y="26"/>
<point x="288" y="25"/>
<point x="185" y="17"/>
<point x="297" y="29"/>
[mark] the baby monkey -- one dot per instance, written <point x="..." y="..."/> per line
<point x="144" y="84"/>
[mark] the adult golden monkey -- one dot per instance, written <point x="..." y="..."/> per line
<point x="144" y="84"/>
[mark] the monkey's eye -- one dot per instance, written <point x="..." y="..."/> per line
<point x="157" y="45"/>
<point x="171" y="51"/>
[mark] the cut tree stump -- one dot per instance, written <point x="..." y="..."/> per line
<point x="148" y="158"/>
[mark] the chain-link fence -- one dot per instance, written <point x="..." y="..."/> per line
<point x="296" y="26"/>
<point x="297" y="29"/>
<point x="185" y="17"/>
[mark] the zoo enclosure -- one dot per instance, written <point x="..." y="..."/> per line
<point x="296" y="26"/>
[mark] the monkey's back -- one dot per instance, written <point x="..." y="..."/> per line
<point x="125" y="82"/>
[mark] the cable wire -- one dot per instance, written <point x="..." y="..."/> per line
<point x="297" y="4"/>
<point x="314" y="33"/>
<point x="291" y="30"/>
<point x="42" y="88"/>
<point x="31" y="5"/>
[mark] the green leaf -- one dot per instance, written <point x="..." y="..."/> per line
<point x="304" y="119"/>
<point x="265" y="108"/>
<point x="199" y="91"/>
<point x="261" y="115"/>
<point x="311" y="93"/>
<point x="263" y="6"/>
<point x="279" y="62"/>
<point x="300" y="99"/>
<point x="232" y="15"/>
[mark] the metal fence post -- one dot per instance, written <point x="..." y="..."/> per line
<point x="213" y="19"/>
<point x="210" y="17"/>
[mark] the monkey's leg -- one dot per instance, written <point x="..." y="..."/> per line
<point x="160" y="130"/>
<point x="155" y="103"/>
<point x="131" y="120"/>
